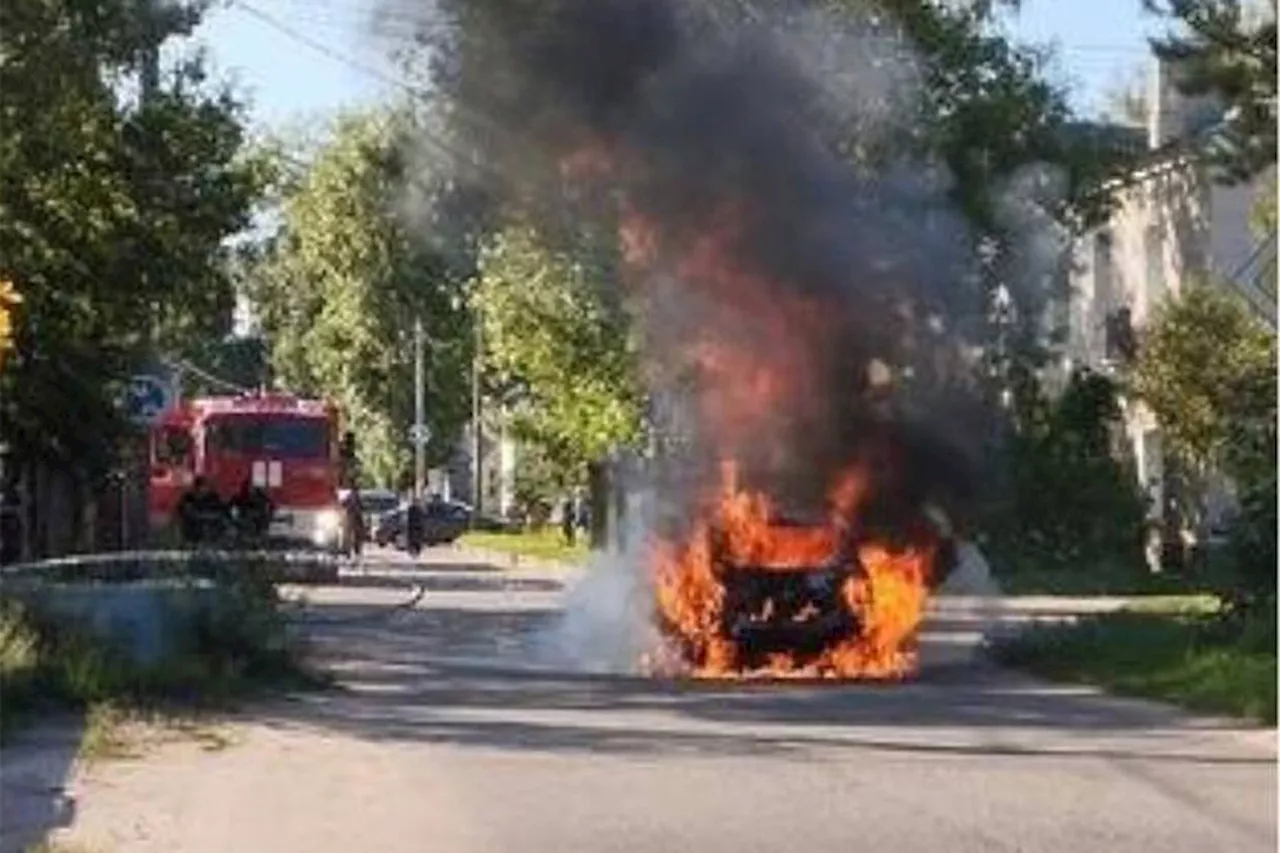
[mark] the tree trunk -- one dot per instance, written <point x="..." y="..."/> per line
<point x="598" y="499"/>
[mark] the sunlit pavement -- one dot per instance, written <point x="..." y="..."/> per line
<point x="454" y="731"/>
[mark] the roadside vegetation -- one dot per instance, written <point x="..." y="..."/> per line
<point x="1175" y="654"/>
<point x="546" y="543"/>
<point x="230" y="651"/>
<point x="1206" y="640"/>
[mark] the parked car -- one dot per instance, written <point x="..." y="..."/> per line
<point x="375" y="503"/>
<point x="443" y="523"/>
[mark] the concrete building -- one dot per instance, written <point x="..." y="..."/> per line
<point x="499" y="453"/>
<point x="1172" y="225"/>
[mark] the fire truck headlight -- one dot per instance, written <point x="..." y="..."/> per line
<point x="328" y="526"/>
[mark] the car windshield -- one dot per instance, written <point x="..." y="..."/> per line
<point x="377" y="502"/>
<point x="284" y="438"/>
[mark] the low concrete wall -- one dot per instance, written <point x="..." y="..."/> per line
<point x="146" y="604"/>
<point x="149" y="620"/>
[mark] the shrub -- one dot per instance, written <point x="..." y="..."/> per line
<point x="1067" y="500"/>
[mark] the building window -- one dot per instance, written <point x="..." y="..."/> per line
<point x="1121" y="342"/>
<point x="1104" y="271"/>
<point x="1154" y="249"/>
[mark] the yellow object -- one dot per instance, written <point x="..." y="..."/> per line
<point x="8" y="298"/>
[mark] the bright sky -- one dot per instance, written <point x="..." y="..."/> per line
<point x="1100" y="43"/>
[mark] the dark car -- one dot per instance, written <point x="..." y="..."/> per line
<point x="375" y="503"/>
<point x="443" y="523"/>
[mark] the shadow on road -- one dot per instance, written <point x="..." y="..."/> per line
<point x="35" y="769"/>
<point x="467" y="677"/>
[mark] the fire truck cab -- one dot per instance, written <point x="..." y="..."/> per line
<point x="286" y="445"/>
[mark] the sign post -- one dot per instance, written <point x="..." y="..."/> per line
<point x="420" y="435"/>
<point x="145" y="397"/>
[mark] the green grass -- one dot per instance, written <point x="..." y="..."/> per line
<point x="1167" y="653"/>
<point x="545" y="544"/>
<point x="1099" y="580"/>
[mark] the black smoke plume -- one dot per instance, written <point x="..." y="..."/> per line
<point x="709" y="117"/>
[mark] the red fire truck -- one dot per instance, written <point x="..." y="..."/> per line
<point x="283" y="444"/>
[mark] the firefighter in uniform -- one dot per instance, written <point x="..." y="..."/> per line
<point x="201" y="513"/>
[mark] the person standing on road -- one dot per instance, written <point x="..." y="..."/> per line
<point x="413" y="527"/>
<point x="355" y="523"/>
<point x="568" y="522"/>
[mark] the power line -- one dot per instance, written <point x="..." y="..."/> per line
<point x="417" y="93"/>
<point x="190" y="367"/>
<point x="320" y="47"/>
<point x="302" y="38"/>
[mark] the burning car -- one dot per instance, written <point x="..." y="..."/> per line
<point x="752" y="591"/>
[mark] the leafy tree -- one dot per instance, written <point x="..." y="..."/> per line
<point x="339" y="288"/>
<point x="1227" y="48"/>
<point x="1207" y="369"/>
<point x="539" y="482"/>
<point x="548" y="333"/>
<point x="989" y="110"/>
<point x="113" y="211"/>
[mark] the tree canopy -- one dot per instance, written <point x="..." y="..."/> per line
<point x="118" y="188"/>
<point x="1207" y="369"/>
<point x="339" y="287"/>
<point x="549" y="340"/>
<point x="1227" y="49"/>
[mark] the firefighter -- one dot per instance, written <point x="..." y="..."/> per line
<point x="252" y="508"/>
<point x="201" y="513"/>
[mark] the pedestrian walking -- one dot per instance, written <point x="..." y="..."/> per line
<point x="568" y="522"/>
<point x="355" y="523"/>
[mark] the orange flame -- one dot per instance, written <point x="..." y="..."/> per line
<point x="887" y="594"/>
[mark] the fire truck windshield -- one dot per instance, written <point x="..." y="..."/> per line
<point x="281" y="437"/>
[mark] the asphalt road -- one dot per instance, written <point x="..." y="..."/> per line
<point x="454" y="732"/>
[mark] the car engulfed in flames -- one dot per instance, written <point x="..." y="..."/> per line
<point x="790" y="331"/>
<point x="752" y="593"/>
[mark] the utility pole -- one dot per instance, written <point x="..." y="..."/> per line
<point x="419" y="412"/>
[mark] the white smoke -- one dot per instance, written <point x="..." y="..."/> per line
<point x="607" y="624"/>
